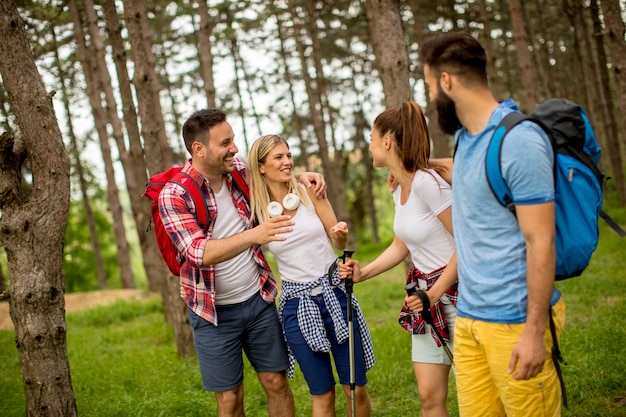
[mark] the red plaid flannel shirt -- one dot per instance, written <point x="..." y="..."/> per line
<point x="179" y="219"/>
<point x="414" y="322"/>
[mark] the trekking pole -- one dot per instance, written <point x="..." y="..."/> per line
<point x="349" y="284"/>
<point x="411" y="289"/>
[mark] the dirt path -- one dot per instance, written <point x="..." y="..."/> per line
<point x="81" y="301"/>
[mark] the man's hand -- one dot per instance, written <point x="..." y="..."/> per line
<point x="272" y="230"/>
<point x="313" y="179"/>
<point x="391" y="183"/>
<point x="529" y="356"/>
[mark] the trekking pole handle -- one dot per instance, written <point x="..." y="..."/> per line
<point x="347" y="254"/>
<point x="333" y="267"/>
<point x="411" y="289"/>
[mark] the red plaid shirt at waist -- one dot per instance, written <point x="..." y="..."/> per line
<point x="414" y="322"/>
<point x="178" y="214"/>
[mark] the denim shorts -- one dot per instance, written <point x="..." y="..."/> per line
<point x="251" y="326"/>
<point x="316" y="366"/>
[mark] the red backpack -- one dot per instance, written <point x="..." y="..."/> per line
<point x="155" y="184"/>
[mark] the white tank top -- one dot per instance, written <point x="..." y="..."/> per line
<point x="307" y="253"/>
<point x="236" y="279"/>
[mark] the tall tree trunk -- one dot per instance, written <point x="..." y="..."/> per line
<point x="392" y="60"/>
<point x="152" y="262"/>
<point x="608" y="105"/>
<point x="242" y="108"/>
<point x="157" y="151"/>
<point x="507" y="83"/>
<point x="240" y="67"/>
<point x="80" y="173"/>
<point x="90" y="64"/>
<point x="584" y="78"/>
<point x="485" y="37"/>
<point x="156" y="147"/>
<point x="318" y="56"/>
<point x="205" y="53"/>
<point x="104" y="83"/>
<point x="296" y="119"/>
<point x="615" y="31"/>
<point x="441" y="141"/>
<point x="33" y="226"/>
<point x="540" y="60"/>
<point x="332" y="168"/>
<point x="528" y="76"/>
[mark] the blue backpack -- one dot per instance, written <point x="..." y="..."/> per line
<point x="578" y="180"/>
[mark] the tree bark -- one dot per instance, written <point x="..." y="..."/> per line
<point x="608" y="105"/>
<point x="152" y="262"/>
<point x="156" y="149"/>
<point x="104" y="83"/>
<point x="332" y="168"/>
<point x="528" y="76"/>
<point x="91" y="65"/>
<point x="296" y="119"/>
<point x="485" y="36"/>
<point x="441" y="141"/>
<point x="205" y="53"/>
<point x="583" y="76"/>
<point x="615" y="31"/>
<point x="80" y="172"/>
<point x="392" y="60"/>
<point x="32" y="226"/>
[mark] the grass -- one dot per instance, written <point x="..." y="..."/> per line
<point x="124" y="361"/>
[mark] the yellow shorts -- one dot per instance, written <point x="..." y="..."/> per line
<point x="481" y="357"/>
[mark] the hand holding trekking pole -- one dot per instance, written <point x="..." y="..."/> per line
<point x="347" y="254"/>
<point x="411" y="289"/>
<point x="349" y="284"/>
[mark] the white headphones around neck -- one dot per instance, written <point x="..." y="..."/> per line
<point x="290" y="202"/>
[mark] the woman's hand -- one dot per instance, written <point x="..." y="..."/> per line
<point x="339" y="235"/>
<point x="350" y="269"/>
<point x="315" y="180"/>
<point x="415" y="303"/>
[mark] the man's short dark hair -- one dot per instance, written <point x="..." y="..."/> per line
<point x="198" y="125"/>
<point x="457" y="53"/>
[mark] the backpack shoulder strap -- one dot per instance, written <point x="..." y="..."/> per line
<point x="493" y="169"/>
<point x="240" y="181"/>
<point x="193" y="188"/>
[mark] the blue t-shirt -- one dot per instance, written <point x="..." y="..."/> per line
<point x="491" y="253"/>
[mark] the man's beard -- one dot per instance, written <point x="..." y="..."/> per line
<point x="447" y="119"/>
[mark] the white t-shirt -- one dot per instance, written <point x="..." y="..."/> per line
<point x="236" y="279"/>
<point x="417" y="225"/>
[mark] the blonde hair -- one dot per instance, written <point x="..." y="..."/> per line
<point x="259" y="194"/>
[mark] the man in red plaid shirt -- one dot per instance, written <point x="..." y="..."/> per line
<point x="227" y="283"/>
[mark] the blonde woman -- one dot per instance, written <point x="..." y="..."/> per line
<point x="312" y="306"/>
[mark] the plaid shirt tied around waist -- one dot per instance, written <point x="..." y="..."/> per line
<point x="414" y="322"/>
<point x="310" y="318"/>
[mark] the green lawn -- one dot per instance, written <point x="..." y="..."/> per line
<point x="124" y="362"/>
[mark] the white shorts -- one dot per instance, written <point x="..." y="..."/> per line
<point x="425" y="349"/>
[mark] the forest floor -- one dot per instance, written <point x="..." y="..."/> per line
<point x="81" y="301"/>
